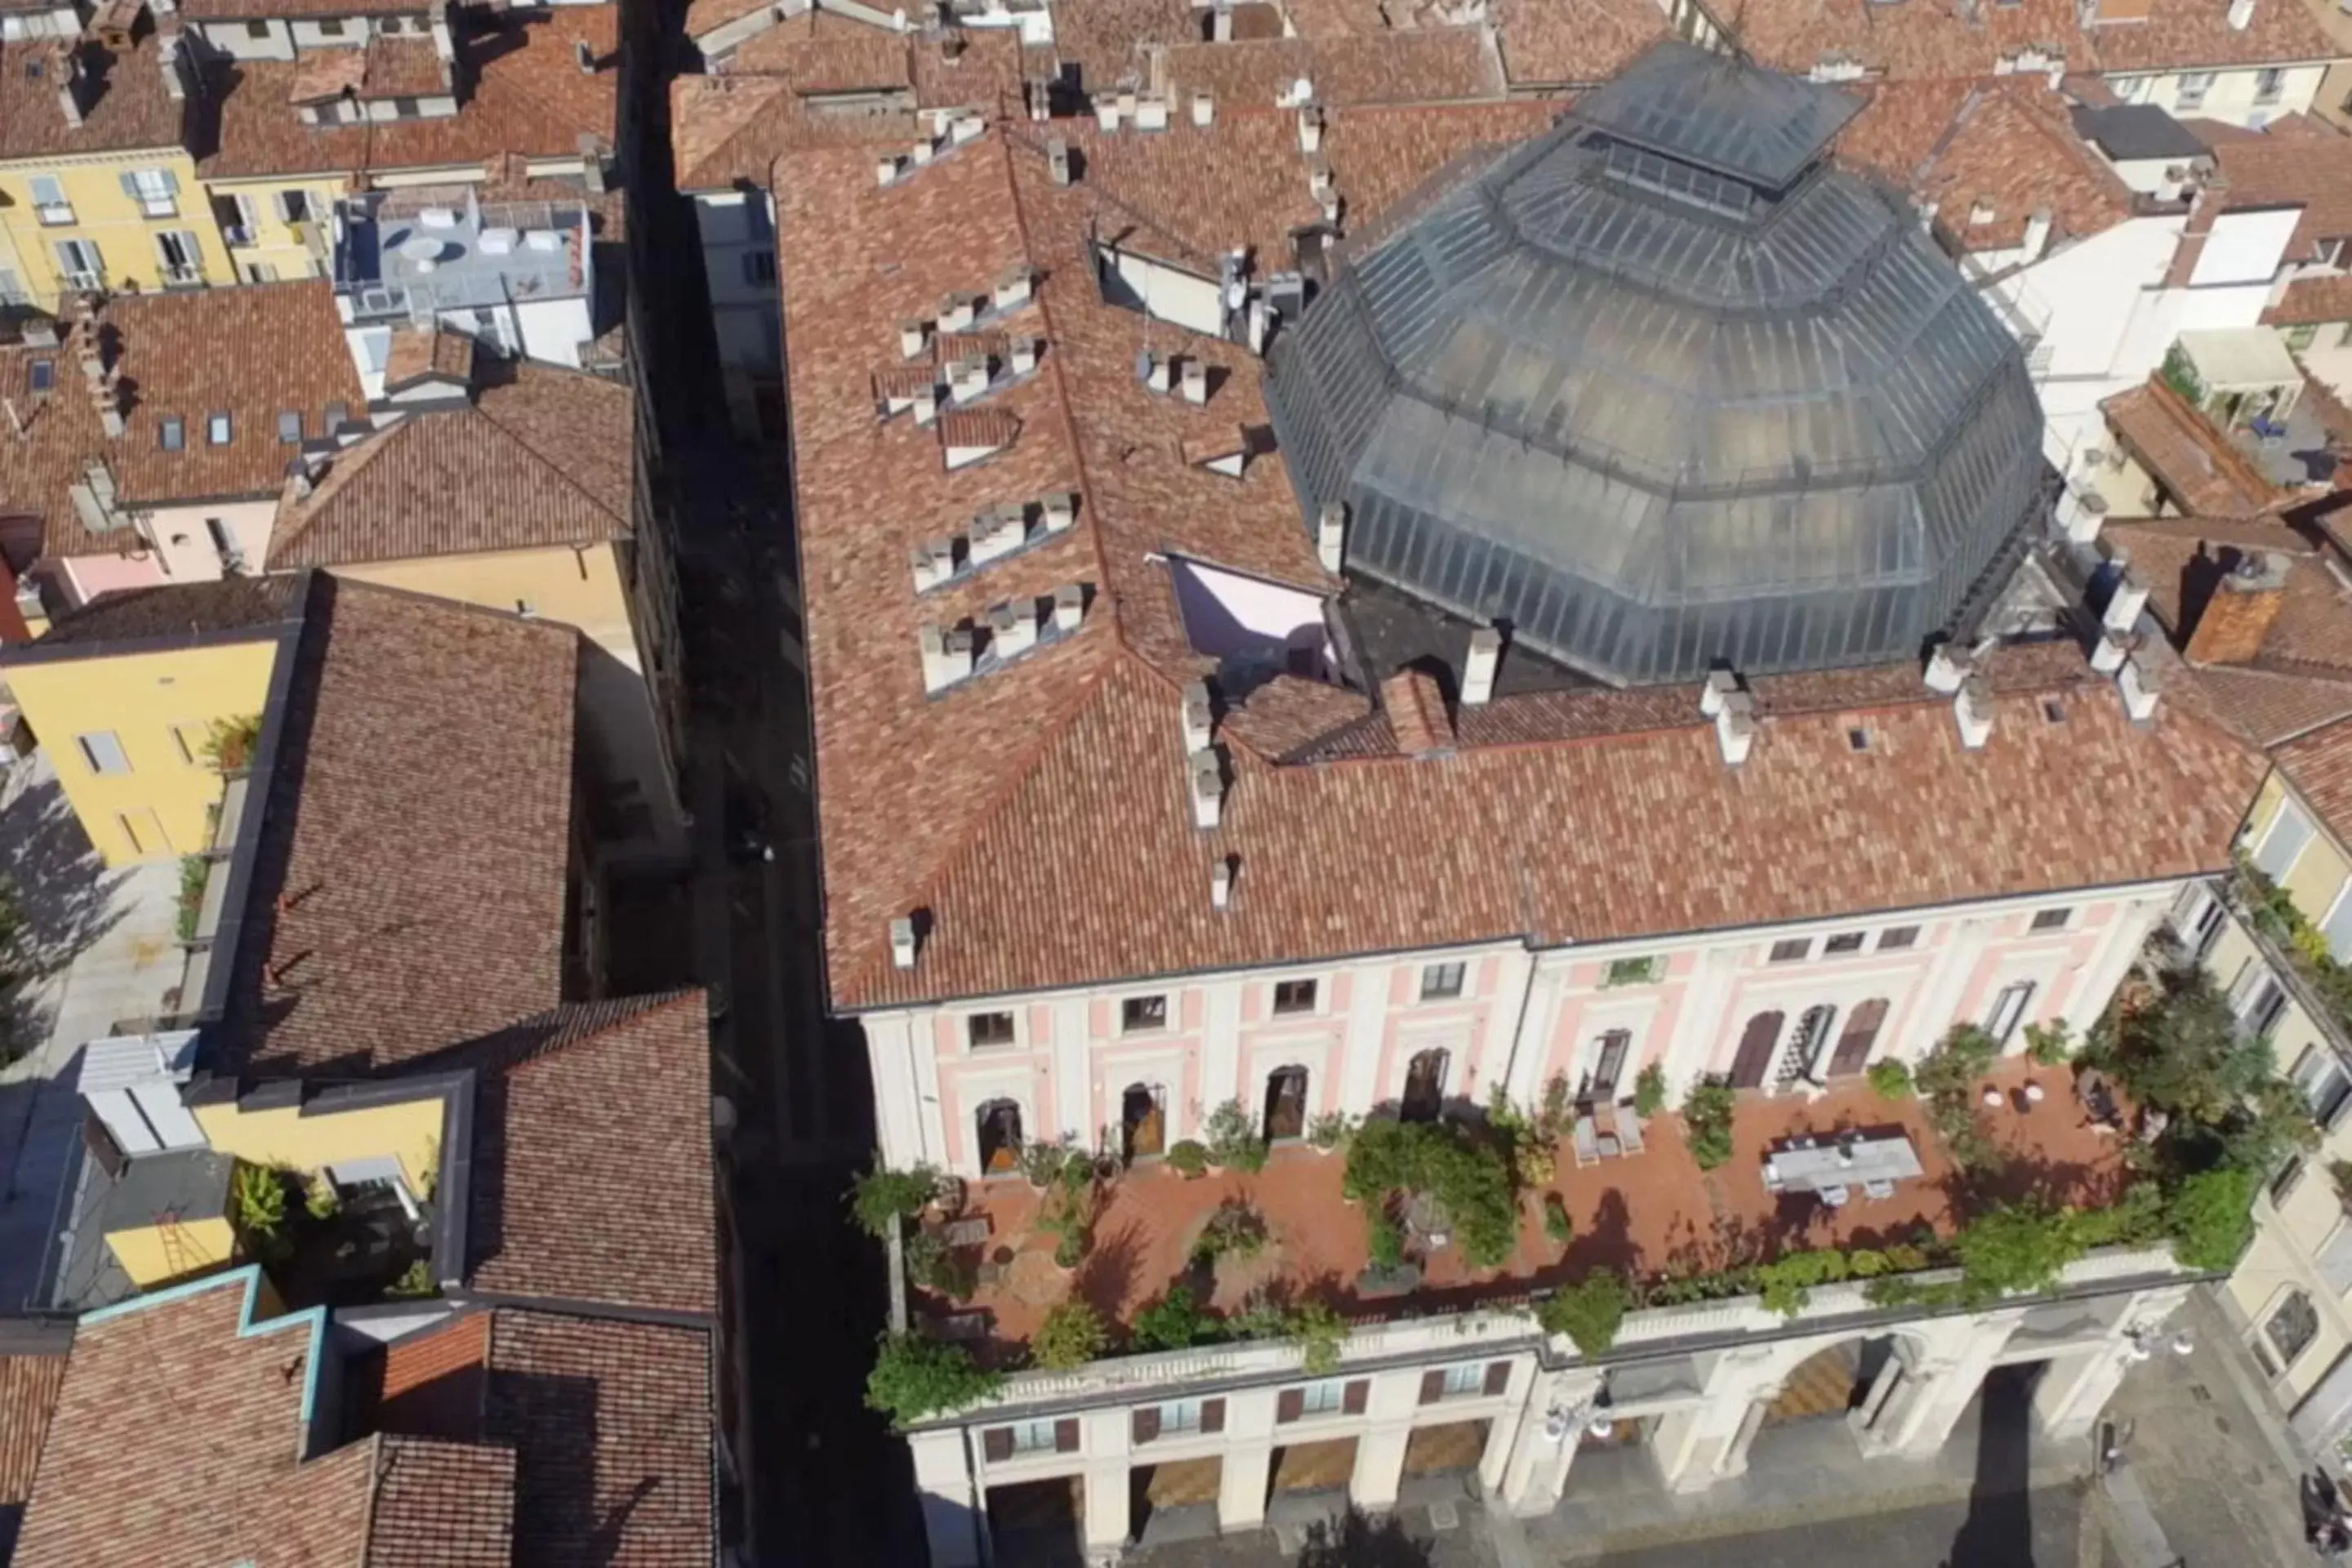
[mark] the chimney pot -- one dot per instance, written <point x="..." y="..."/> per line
<point x="2125" y="605"/>
<point x="1151" y="114"/>
<point x="1011" y="632"/>
<point x="1061" y="511"/>
<point x="1479" y="667"/>
<point x="2108" y="653"/>
<point x="968" y="377"/>
<point x="1195" y="381"/>
<point x="1311" y="129"/>
<point x="902" y="942"/>
<point x="1947" y="667"/>
<point x="1221" y="884"/>
<point x="964" y="128"/>
<point x="1204" y="109"/>
<point x="1069" y="607"/>
<point x="914" y="338"/>
<point x="2242" y="15"/>
<point x="927" y="404"/>
<point x="1735" y="728"/>
<point x="1207" y="774"/>
<point x="1972" y="711"/>
<point x="1024" y="355"/>
<point x="885" y="168"/>
<point x="2138" y="690"/>
<point x="1331" y="535"/>
<point x="1198" y="725"/>
<point x="1722" y="685"/>
<point x="1012" y="288"/>
<point x="956" y="312"/>
<point x="1106" y="114"/>
<point x="1058" y="159"/>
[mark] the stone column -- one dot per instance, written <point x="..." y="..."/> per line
<point x="1105" y="1443"/>
<point x="1246" y="1468"/>
<point x="1942" y="1374"/>
<point x="1379" y="1467"/>
<point x="952" y="1512"/>
<point x="2074" y="1388"/>
<point x="1543" y="1444"/>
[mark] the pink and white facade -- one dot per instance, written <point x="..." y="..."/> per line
<point x="1777" y="1006"/>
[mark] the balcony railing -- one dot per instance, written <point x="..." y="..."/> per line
<point x="56" y="215"/>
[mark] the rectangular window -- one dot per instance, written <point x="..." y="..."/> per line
<point x="101" y="753"/>
<point x="50" y="200"/>
<point x="172" y="433"/>
<point x="157" y="191"/>
<point x="2282" y="843"/>
<point x="2270" y="85"/>
<point x="79" y="259"/>
<point x="1643" y="971"/>
<point x="192" y="752"/>
<point x="2338" y="927"/>
<point x="1322" y="1398"/>
<point x="183" y="262"/>
<point x="2009" y="1010"/>
<point x="2190" y="89"/>
<point x="1142" y="1014"/>
<point x="330" y="28"/>
<point x="1791" y="950"/>
<point x="2285" y="1182"/>
<point x="2324" y="1084"/>
<point x="1844" y="941"/>
<point x="40" y="375"/>
<point x="2051" y="920"/>
<point x="256" y="29"/>
<point x="217" y="427"/>
<point x="984" y="1029"/>
<point x="294" y="206"/>
<point x="289" y="426"/>
<point x="1441" y="982"/>
<point x="404" y="108"/>
<point x="1293" y="996"/>
<point x="1894" y="939"/>
<point x="1033" y="1436"/>
<point x="1464" y="1380"/>
<point x="1181" y="1416"/>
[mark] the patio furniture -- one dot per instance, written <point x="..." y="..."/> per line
<point x="963" y="1326"/>
<point x="1993" y="1098"/>
<point x="1833" y="1196"/>
<point x="2097" y="1099"/>
<point x="969" y="1232"/>
<point x="1628" y="1130"/>
<point x="1857" y="1160"/>
<point x="2034" y="1094"/>
<point x="1588" y="1142"/>
<point x="1878" y="1189"/>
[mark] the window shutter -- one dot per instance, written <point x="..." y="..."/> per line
<point x="2334" y="1260"/>
<point x="1355" y="1397"/>
<point x="129" y="184"/>
<point x="1066" y="1434"/>
<point x="1146" y="1424"/>
<point x="996" y="1444"/>
<point x="1433" y="1387"/>
<point x="1212" y="1416"/>
<point x="171" y="182"/>
<point x="1498" y="1377"/>
<point x="1290" y="1405"/>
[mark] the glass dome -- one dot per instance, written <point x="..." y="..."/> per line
<point x="1663" y="387"/>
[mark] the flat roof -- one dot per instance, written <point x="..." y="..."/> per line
<point x="2128" y="131"/>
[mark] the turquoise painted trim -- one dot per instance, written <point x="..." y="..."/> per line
<point x="248" y="1327"/>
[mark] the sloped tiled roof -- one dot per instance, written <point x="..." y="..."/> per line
<point x="542" y="459"/>
<point x="260" y="605"/>
<point x="442" y="1505"/>
<point x="2319" y="765"/>
<point x="2314" y="628"/>
<point x="408" y="888"/>
<point x="126" y="104"/>
<point x="28" y="1396"/>
<point x="2311" y="169"/>
<point x="1916" y="40"/>
<point x="598" y="1098"/>
<point x="1436" y="65"/>
<point x="2186" y="455"/>
<point x="1548" y="43"/>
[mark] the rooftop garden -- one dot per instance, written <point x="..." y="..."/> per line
<point x="324" y="1246"/>
<point x="2273" y="913"/>
<point x="2154" y="1131"/>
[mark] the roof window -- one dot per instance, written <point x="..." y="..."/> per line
<point x="289" y="426"/>
<point x="217" y="428"/>
<point x="173" y="433"/>
<point x="42" y="375"/>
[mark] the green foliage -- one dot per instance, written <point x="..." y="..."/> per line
<point x="1175" y="1321"/>
<point x="1043" y="1163"/>
<point x="883" y="1199"/>
<point x="320" y="1201"/>
<point x="1707" y="1122"/>
<point x="414" y="1283"/>
<point x="1234" y="1230"/>
<point x="1589" y="1312"/>
<point x="914" y="1377"/>
<point x="1896" y="1291"/>
<point x="1786" y="1283"/>
<point x="1330" y="1131"/>
<point x="1072" y="1335"/>
<point x="932" y="1263"/>
<point x="2185" y="1054"/>
<point x="1633" y="972"/>
<point x="1189" y="1158"/>
<point x="2179" y="373"/>
<point x="2207" y="1216"/>
<point x="1470" y="1181"/>
<point x="195" y="870"/>
<point x="1232" y="1138"/>
<point x="2048" y="1045"/>
<point x="2134" y="1219"/>
<point x="1650" y="1090"/>
<point x="1890" y="1078"/>
<point x="1948" y="1075"/>
<point x="1384" y="1243"/>
<point x="1320" y="1335"/>
<point x="259" y="1194"/>
<point x="1071" y="1249"/>
<point x="1531" y="1143"/>
<point x="2015" y="1249"/>
<point x="229" y="742"/>
<point x="1557" y="1223"/>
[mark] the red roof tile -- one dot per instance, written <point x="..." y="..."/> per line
<point x="1440" y="65"/>
<point x="442" y="1505"/>
<point x="2319" y="765"/>
<point x="2182" y="451"/>
<point x="28" y="1396"/>
<point x="1931" y="40"/>
<point x="1574" y="43"/>
<point x="1986" y="156"/>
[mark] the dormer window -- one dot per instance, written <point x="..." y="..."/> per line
<point x="42" y="375"/>
<point x="331" y="27"/>
<point x="173" y="433"/>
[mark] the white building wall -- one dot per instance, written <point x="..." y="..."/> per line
<point x="739" y="264"/>
<point x="2234" y="95"/>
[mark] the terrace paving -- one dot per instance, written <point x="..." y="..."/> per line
<point x="1652" y="1214"/>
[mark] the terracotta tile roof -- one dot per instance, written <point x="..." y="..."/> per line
<point x="429" y="1383"/>
<point x="2319" y="765"/>
<point x="1416" y="710"/>
<point x="546" y="458"/>
<point x="975" y="803"/>
<point x="1108" y="40"/>
<point x="171" y="1403"/>
<point x="436" y="351"/>
<point x="442" y="1505"/>
<point x="238" y="10"/>
<point x="261" y="605"/>
<point x="591" y="1104"/>
<point x="28" y="1396"/>
<point x="408" y="886"/>
<point x="612" y="1429"/>
<point x="2185" y="454"/>
<point x="2311" y="302"/>
<point x="321" y="76"/>
<point x="706" y="16"/>
<point x="127" y="106"/>
<point x="1440" y="65"/>
<point x="2314" y="628"/>
<point x="404" y="66"/>
<point x="2268" y="707"/>
<point x="2003" y="146"/>
<point x="292" y="357"/>
<point x="60" y="434"/>
<point x="520" y="89"/>
<point x="1914" y="40"/>
<point x="820" y="53"/>
<point x="1574" y="43"/>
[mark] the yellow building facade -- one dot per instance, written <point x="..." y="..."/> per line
<point x="278" y="225"/>
<point x="111" y="219"/>
<point x="127" y="732"/>
<point x="156" y="1255"/>
<point x="284" y="1137"/>
<point x="579" y="586"/>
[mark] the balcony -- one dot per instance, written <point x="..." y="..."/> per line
<point x="185" y="276"/>
<point x="239" y="237"/>
<point x="159" y="206"/>
<point x="55" y="215"/>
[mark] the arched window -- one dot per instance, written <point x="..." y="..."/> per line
<point x="1285" y="1103"/>
<point x="1754" y="1058"/>
<point x="1860" y="1033"/>
<point x="999" y="1123"/>
<point x="1424" y="1087"/>
<point x="1806" y="1047"/>
<point x="1143" y="1120"/>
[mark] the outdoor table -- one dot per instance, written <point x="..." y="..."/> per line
<point x="1874" y="1160"/>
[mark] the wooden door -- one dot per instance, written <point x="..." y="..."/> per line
<point x="1755" y="1055"/>
<point x="1609" y="1064"/>
<point x="1862" y="1028"/>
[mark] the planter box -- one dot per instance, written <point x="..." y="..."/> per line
<point x="1401" y="1280"/>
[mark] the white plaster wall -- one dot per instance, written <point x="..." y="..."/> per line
<point x="185" y="545"/>
<point x="2232" y="96"/>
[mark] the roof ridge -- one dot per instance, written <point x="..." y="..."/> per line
<point x="476" y="406"/>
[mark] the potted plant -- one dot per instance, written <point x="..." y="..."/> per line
<point x="1189" y="1159"/>
<point x="1330" y="1132"/>
<point x="1232" y="1139"/>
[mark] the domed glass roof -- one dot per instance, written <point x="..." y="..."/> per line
<point x="1663" y="387"/>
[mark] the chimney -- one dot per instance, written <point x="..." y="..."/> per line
<point x="1024" y="357"/>
<point x="947" y="656"/>
<point x="932" y="561"/>
<point x="1478" y="667"/>
<point x="1069" y="607"/>
<point x="67" y="64"/>
<point x="2239" y="612"/>
<point x="1195" y="381"/>
<point x="1948" y="667"/>
<point x="2242" y="17"/>
<point x="1205" y="109"/>
<point x="1106" y="114"/>
<point x="1310" y="130"/>
<point x="965" y="127"/>
<point x="914" y="338"/>
<point x="1319" y="178"/>
<point x="167" y="56"/>
<point x="2037" y="233"/>
<point x="1197" y="722"/>
<point x="1221" y="883"/>
<point x="2138" y="690"/>
<point x="1061" y="511"/>
<point x="1058" y="159"/>
<point x="956" y="312"/>
<point x="902" y="942"/>
<point x="998" y="531"/>
<point x="1722" y="685"/>
<point x="1207" y="783"/>
<point x="1331" y="535"/>
<point x="2124" y="606"/>
<point x="1735" y="726"/>
<point x="1221" y="24"/>
<point x="927" y="404"/>
<point x="968" y="377"/>
<point x="1258" y="323"/>
<point x="885" y="168"/>
<point x="1972" y="711"/>
<point x="2107" y="654"/>
<point x="1157" y="371"/>
<point x="922" y="153"/>
<point x="1012" y="629"/>
<point x="1151" y="114"/>
<point x="1012" y="290"/>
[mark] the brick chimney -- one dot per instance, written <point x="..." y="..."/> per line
<point x="1417" y="715"/>
<point x="2240" y="611"/>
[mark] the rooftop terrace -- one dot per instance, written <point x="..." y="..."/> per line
<point x="425" y="249"/>
<point x="1653" y="1214"/>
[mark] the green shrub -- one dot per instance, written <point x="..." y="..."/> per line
<point x="1043" y="1163"/>
<point x="1175" y="1321"/>
<point x="1234" y="1230"/>
<point x="1470" y="1181"/>
<point x="195" y="870"/>
<point x="1232" y="1138"/>
<point x="1891" y="1080"/>
<point x="1071" y="1249"/>
<point x="2207" y="1216"/>
<point x="914" y="1377"/>
<point x="1650" y="1090"/>
<point x="1557" y="1223"/>
<point x="1320" y="1333"/>
<point x="228" y="743"/>
<point x="1786" y="1283"/>
<point x="1072" y="1335"/>
<point x="1948" y="1075"/>
<point x="932" y="1263"/>
<point x="1384" y="1243"/>
<point x="414" y="1283"/>
<point x="2015" y="1249"/>
<point x="320" y="1201"/>
<point x="1188" y="1158"/>
<point x="1589" y="1312"/>
<point x="2048" y="1045"/>
<point x="884" y="1199"/>
<point x="1331" y="1129"/>
<point x="259" y="1193"/>
<point x="1707" y="1122"/>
